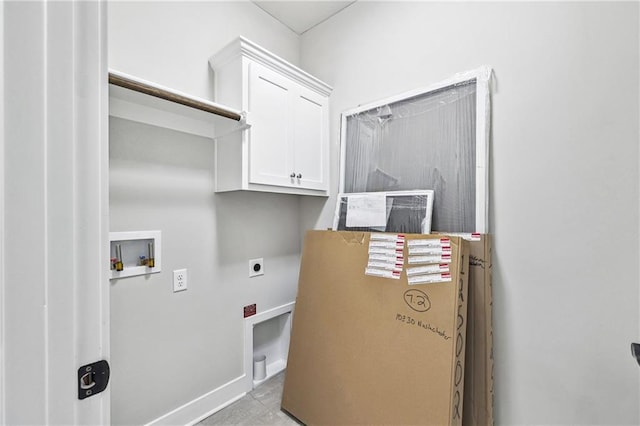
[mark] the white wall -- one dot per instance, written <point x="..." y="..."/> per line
<point x="183" y="345"/>
<point x="564" y="180"/>
<point x="24" y="355"/>
<point x="2" y="144"/>
<point x="170" y="42"/>
<point x="169" y="349"/>
<point x="54" y="203"/>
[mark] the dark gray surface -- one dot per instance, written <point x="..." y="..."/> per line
<point x="259" y="407"/>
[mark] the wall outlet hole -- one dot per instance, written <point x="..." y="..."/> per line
<point x="256" y="267"/>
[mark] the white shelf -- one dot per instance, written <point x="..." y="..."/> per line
<point x="146" y="102"/>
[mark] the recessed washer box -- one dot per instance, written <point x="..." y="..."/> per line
<point x="137" y="248"/>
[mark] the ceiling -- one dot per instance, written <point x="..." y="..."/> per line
<point x="301" y="16"/>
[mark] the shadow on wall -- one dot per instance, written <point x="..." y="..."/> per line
<point x="161" y="170"/>
<point x="156" y="167"/>
<point x="316" y="213"/>
<point x="255" y="224"/>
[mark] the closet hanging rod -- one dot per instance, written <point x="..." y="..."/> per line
<point x="123" y="80"/>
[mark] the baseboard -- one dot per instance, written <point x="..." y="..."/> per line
<point x="200" y="408"/>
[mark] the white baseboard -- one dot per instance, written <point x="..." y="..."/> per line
<point x="200" y="408"/>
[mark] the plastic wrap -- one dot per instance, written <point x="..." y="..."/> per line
<point x="434" y="138"/>
<point x="394" y="211"/>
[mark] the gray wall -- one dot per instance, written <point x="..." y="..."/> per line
<point x="169" y="348"/>
<point x="564" y="188"/>
<point x="188" y="343"/>
<point x="564" y="180"/>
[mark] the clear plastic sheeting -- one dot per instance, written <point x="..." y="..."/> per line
<point x="429" y="139"/>
<point x="398" y="211"/>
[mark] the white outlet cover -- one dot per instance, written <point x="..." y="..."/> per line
<point x="253" y="263"/>
<point x="179" y="280"/>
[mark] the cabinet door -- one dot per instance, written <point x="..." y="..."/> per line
<point x="310" y="133"/>
<point x="269" y="107"/>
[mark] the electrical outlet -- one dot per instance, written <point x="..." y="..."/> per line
<point x="256" y="267"/>
<point x="179" y="280"/>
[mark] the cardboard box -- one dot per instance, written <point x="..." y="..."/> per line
<point x="478" y="382"/>
<point x="369" y="349"/>
<point x="478" y="378"/>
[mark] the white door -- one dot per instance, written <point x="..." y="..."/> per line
<point x="270" y="153"/>
<point x="310" y="139"/>
<point x="54" y="294"/>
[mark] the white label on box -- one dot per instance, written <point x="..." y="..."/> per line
<point x="431" y="278"/>
<point x="398" y="244"/>
<point x="385" y="257"/>
<point x="366" y="210"/>
<point x="386" y="244"/>
<point x="393" y="266"/>
<point x="429" y="269"/>
<point x="385" y="251"/>
<point x="383" y="273"/>
<point x="429" y="250"/>
<point x="376" y="236"/>
<point x="473" y="236"/>
<point x="437" y="258"/>
<point x="433" y="242"/>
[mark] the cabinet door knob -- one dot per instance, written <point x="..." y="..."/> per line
<point x="292" y="175"/>
<point x="299" y="176"/>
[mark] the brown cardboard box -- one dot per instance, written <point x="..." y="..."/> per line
<point x="374" y="350"/>
<point x="478" y="374"/>
<point x="478" y="381"/>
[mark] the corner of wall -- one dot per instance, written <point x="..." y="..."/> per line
<point x="2" y="310"/>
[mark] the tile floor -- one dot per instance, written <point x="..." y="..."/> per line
<point x="259" y="407"/>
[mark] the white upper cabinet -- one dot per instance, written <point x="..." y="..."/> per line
<point x="286" y="147"/>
